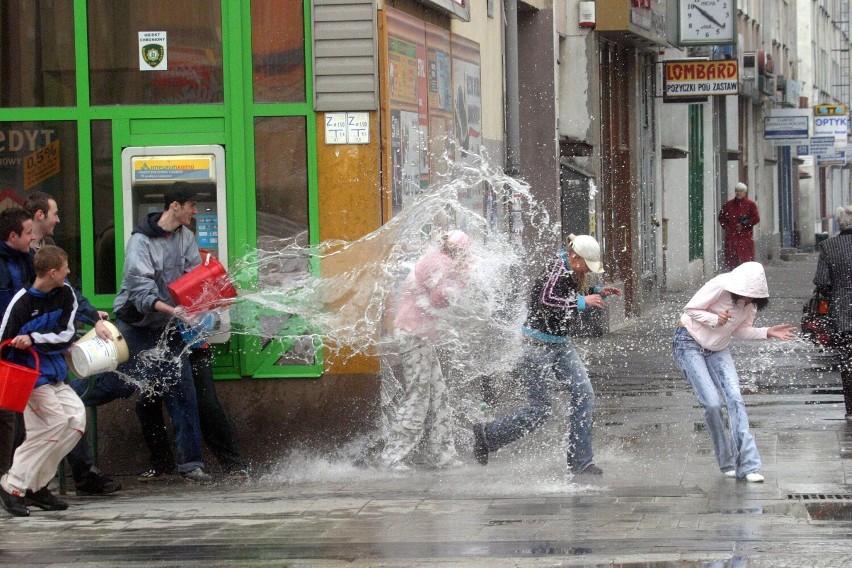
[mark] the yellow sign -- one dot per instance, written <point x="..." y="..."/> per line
<point x="830" y="110"/>
<point x="173" y="168"/>
<point x="41" y="164"/>
<point x="687" y="78"/>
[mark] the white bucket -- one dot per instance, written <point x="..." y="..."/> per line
<point x="91" y="355"/>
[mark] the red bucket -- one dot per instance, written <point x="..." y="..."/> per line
<point x="204" y="287"/>
<point x="16" y="381"/>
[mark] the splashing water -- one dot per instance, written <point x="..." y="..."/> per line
<point x="343" y="294"/>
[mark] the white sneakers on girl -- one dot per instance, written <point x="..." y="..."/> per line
<point x="754" y="477"/>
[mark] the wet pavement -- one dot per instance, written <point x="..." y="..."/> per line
<point x="660" y="502"/>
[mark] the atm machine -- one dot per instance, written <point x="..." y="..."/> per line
<point x="148" y="171"/>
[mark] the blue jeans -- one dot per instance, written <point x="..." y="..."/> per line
<point x="543" y="367"/>
<point x="179" y="397"/>
<point x="711" y="373"/>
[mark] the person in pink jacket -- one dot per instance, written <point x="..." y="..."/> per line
<point x="437" y="280"/>
<point x="724" y="308"/>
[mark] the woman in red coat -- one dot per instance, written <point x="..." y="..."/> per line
<point x="738" y="217"/>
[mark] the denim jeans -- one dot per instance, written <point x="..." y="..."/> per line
<point x="711" y="373"/>
<point x="179" y="399"/>
<point x="215" y="425"/>
<point x="543" y="367"/>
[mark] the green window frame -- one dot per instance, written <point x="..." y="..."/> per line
<point x="231" y="124"/>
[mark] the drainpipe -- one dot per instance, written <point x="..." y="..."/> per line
<point x="513" y="123"/>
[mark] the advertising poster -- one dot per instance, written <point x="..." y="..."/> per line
<point x="467" y="111"/>
<point x="30" y="159"/>
<point x="408" y="86"/>
<point x="440" y="75"/>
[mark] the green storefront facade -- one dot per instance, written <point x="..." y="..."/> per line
<point x="78" y="90"/>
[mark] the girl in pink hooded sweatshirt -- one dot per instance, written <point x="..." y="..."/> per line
<point x="435" y="282"/>
<point x="724" y="308"/>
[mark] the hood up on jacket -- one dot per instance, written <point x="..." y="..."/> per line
<point x="748" y="280"/>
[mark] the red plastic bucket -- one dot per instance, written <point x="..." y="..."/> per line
<point x="204" y="287"/>
<point x="16" y="381"/>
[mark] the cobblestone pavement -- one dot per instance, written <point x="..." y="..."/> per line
<point x="661" y="501"/>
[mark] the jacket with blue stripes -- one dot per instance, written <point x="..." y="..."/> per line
<point x="48" y="318"/>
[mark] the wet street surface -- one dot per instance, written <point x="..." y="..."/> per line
<point x="660" y="502"/>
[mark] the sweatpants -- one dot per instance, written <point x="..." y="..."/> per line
<point x="55" y="419"/>
<point x="423" y="407"/>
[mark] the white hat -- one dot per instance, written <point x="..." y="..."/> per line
<point x="589" y="250"/>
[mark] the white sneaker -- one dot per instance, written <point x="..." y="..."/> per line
<point x="730" y="473"/>
<point x="754" y="477"/>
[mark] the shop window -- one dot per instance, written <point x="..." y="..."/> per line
<point x="103" y="203"/>
<point x="182" y="64"/>
<point x="42" y="156"/>
<point x="281" y="163"/>
<point x="278" y="51"/>
<point x="37" y="53"/>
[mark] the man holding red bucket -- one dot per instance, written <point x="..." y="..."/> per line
<point x="161" y="249"/>
<point x="41" y="320"/>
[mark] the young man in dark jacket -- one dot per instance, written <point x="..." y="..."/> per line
<point x="42" y="318"/>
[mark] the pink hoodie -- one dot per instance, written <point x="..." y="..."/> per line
<point x="435" y="280"/>
<point x="700" y="316"/>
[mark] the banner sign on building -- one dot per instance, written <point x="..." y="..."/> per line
<point x="821" y="146"/>
<point x="787" y="127"/>
<point x="691" y="78"/>
<point x="836" y="126"/>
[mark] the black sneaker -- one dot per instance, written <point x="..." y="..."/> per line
<point x="480" y="447"/>
<point x="45" y="500"/>
<point x="96" y="483"/>
<point x="14" y="504"/>
<point x="590" y="469"/>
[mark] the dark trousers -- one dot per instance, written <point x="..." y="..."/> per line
<point x="7" y="439"/>
<point x="215" y="425"/>
<point x="844" y="350"/>
<point x="106" y="388"/>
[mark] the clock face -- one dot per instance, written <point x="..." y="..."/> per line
<point x="706" y="22"/>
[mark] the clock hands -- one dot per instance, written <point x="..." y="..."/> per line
<point x="707" y="15"/>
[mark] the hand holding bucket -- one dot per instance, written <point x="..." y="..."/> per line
<point x="17" y="381"/>
<point x="204" y="287"/>
<point x="91" y="354"/>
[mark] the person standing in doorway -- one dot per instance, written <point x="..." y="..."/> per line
<point x="723" y="308"/>
<point x="550" y="360"/>
<point x="738" y="218"/>
<point x="834" y="279"/>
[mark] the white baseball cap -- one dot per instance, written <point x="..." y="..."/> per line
<point x="589" y="250"/>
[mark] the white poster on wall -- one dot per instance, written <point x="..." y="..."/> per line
<point x="153" y="55"/>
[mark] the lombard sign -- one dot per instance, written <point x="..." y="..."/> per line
<point x="690" y="78"/>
